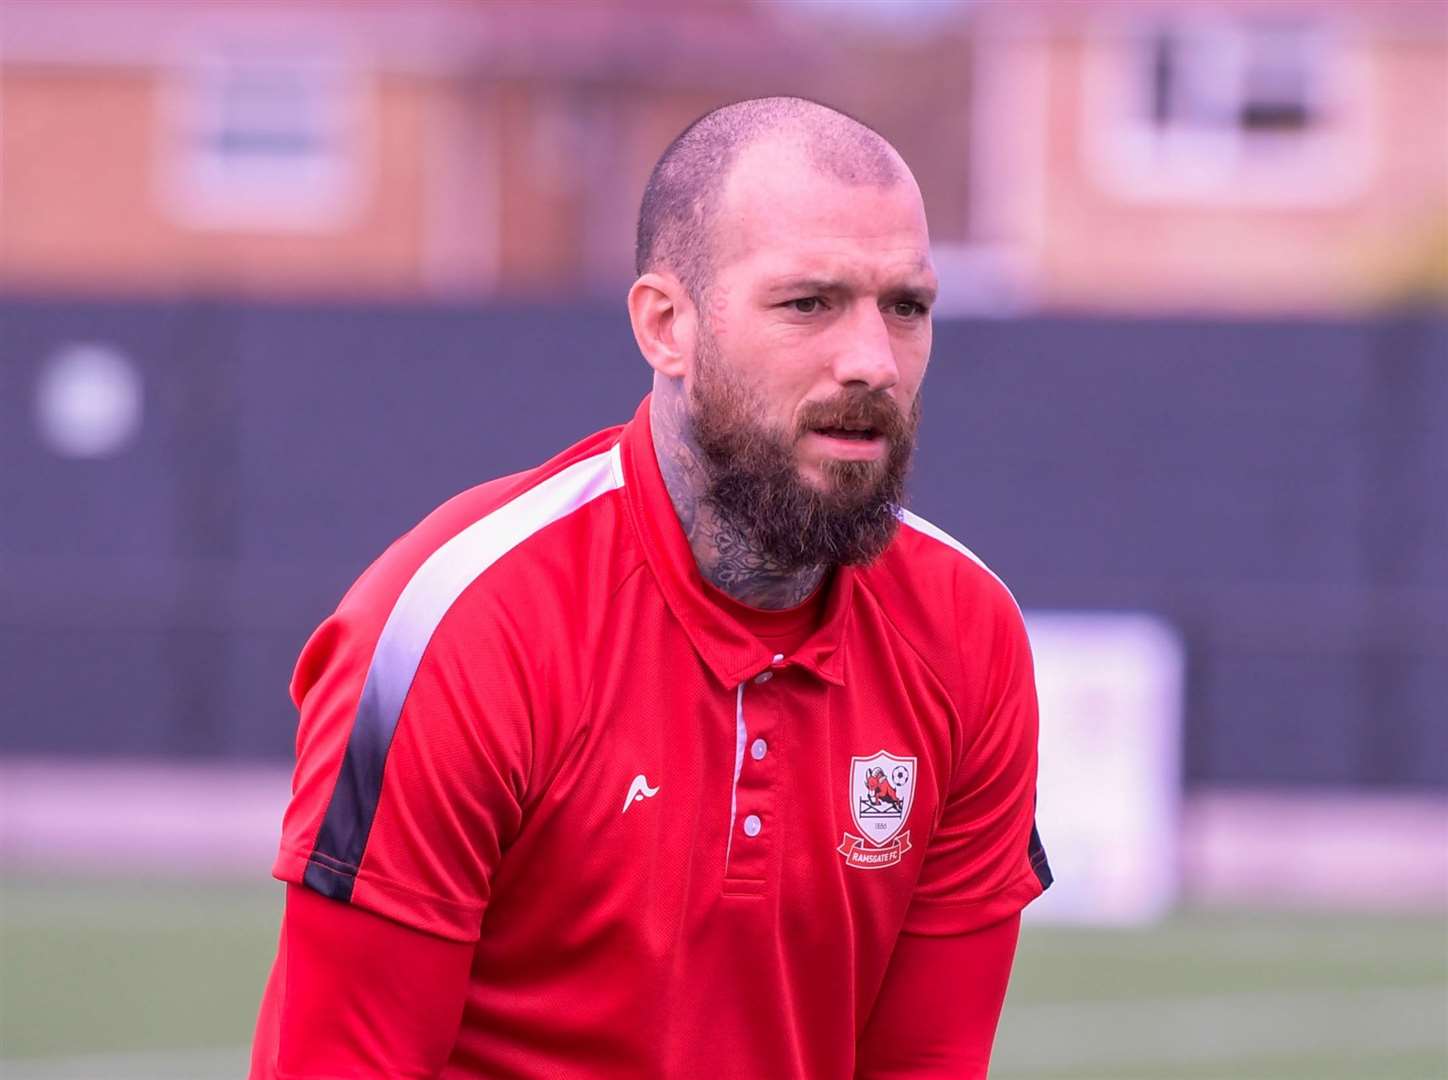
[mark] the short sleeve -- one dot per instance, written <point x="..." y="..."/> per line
<point x="411" y="768"/>
<point x="985" y="861"/>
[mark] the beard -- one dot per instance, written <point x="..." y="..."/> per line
<point x="753" y="483"/>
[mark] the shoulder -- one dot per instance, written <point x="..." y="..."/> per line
<point x="501" y="545"/>
<point x="926" y="561"/>
<point x="952" y="608"/>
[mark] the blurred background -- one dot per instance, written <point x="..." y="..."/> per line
<point x="278" y="277"/>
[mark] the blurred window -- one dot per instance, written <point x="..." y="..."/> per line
<point x="264" y="140"/>
<point x="1227" y="109"/>
<point x="1257" y="81"/>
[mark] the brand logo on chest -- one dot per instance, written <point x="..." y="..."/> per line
<point x="882" y="790"/>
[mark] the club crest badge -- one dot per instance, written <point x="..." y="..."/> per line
<point x="882" y="790"/>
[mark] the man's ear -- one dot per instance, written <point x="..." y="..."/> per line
<point x="664" y="321"/>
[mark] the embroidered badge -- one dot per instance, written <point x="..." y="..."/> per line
<point x="882" y="790"/>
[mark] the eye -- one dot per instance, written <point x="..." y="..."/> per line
<point x="908" y="309"/>
<point x="806" y="305"/>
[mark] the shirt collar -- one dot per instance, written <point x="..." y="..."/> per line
<point x="729" y="650"/>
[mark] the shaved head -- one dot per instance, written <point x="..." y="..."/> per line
<point x="687" y="186"/>
<point x="783" y="300"/>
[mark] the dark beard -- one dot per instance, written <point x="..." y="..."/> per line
<point x="753" y="482"/>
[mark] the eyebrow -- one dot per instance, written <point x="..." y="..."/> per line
<point x="811" y="285"/>
<point x="922" y="294"/>
<point x="807" y="285"/>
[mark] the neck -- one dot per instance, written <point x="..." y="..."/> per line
<point x="725" y="557"/>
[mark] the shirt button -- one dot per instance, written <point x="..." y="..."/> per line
<point x="752" y="825"/>
<point x="764" y="676"/>
<point x="758" y="749"/>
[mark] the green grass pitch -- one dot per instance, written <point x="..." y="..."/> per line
<point x="115" y="980"/>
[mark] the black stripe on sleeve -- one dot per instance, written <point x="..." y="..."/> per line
<point x="342" y="839"/>
<point x="1037" y="852"/>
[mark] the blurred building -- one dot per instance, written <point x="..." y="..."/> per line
<point x="454" y="149"/>
<point x="1268" y="155"/>
<point x="1254" y="156"/>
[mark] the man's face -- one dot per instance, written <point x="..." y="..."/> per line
<point x="812" y="344"/>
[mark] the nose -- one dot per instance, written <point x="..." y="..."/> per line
<point x="867" y="355"/>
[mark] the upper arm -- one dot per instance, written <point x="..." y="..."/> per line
<point x="413" y="760"/>
<point x="985" y="861"/>
<point x="410" y="780"/>
<point x="938" y="1007"/>
<point x="354" y="994"/>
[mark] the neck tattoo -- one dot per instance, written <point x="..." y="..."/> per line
<point x="724" y="555"/>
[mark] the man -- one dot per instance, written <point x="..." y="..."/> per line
<point x="590" y="765"/>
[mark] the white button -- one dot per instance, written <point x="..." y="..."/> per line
<point x="779" y="657"/>
<point x="752" y="825"/>
<point x="757" y="750"/>
<point x="764" y="676"/>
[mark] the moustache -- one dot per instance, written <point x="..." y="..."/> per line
<point x="871" y="413"/>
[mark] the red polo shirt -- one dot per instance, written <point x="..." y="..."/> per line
<point x="675" y="850"/>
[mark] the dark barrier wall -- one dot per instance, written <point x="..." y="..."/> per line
<point x="1278" y="491"/>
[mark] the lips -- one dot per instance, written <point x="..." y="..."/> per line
<point x="854" y="415"/>
<point x="847" y="433"/>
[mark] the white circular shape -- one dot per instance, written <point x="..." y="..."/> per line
<point x="778" y="657"/>
<point x="764" y="676"/>
<point x="759" y="749"/>
<point x="752" y="825"/>
<point x="88" y="401"/>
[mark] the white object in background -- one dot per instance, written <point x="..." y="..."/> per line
<point x="1109" y="795"/>
<point x="88" y="401"/>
